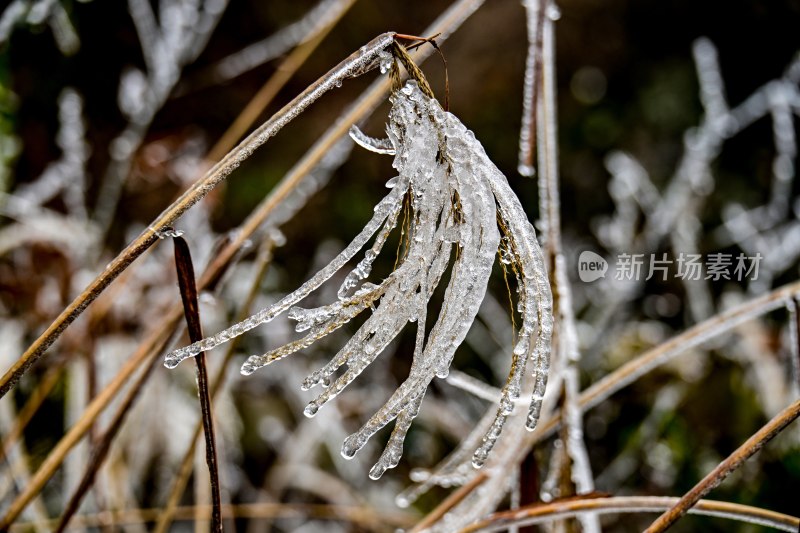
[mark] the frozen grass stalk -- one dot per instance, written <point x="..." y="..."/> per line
<point x="460" y="208"/>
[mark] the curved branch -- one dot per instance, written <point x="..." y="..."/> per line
<point x="734" y="461"/>
<point x="540" y="513"/>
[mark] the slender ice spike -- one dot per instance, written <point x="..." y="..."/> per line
<point x="534" y="17"/>
<point x="391" y="455"/>
<point x="364" y="266"/>
<point x="382" y="210"/>
<point x="489" y="441"/>
<point x="281" y="41"/>
<point x="326" y="326"/>
<point x="379" y="146"/>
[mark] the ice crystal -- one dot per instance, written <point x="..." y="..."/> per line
<point x="461" y="208"/>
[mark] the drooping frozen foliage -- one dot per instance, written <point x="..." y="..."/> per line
<point x="461" y="210"/>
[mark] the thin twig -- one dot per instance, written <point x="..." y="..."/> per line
<point x="724" y="469"/>
<point x="188" y="289"/>
<point x="543" y="513"/>
<point x="451" y="501"/>
<point x="185" y="469"/>
<point x="371" y="519"/>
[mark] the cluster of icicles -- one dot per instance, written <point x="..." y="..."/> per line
<point x="461" y="208"/>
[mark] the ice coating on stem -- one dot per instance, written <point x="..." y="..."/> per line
<point x="480" y="186"/>
<point x="382" y="211"/>
<point x="533" y="17"/>
<point x="455" y="196"/>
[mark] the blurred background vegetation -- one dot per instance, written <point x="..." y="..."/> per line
<point x="626" y="81"/>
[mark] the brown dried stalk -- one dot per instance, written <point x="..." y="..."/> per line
<point x="188" y="289"/>
<point x="724" y="469"/>
<point x="451" y="501"/>
<point x="379" y="520"/>
<point x="547" y="512"/>
<point x="185" y="469"/>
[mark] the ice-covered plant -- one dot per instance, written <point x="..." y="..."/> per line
<point x="462" y="211"/>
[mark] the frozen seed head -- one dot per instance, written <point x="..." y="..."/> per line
<point x="456" y="197"/>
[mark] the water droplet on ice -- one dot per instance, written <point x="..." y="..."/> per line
<point x="348" y="452"/>
<point x="248" y="367"/>
<point x="385" y="62"/>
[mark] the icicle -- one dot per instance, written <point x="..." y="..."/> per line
<point x="379" y="146"/>
<point x="712" y="89"/>
<point x="533" y="12"/>
<point x="265" y="315"/>
<point x="455" y="192"/>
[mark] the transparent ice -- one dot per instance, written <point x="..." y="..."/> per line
<point x="456" y="197"/>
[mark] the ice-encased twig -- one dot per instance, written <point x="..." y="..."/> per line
<point x="68" y="174"/>
<point x="281" y="41"/>
<point x="382" y="211"/>
<point x="455" y="193"/>
<point x="534" y="16"/>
